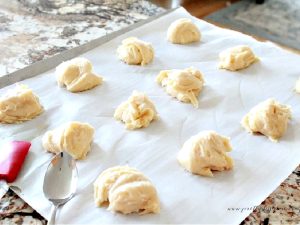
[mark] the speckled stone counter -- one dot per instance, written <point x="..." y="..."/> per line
<point x="32" y="30"/>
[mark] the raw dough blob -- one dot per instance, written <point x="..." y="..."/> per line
<point x="135" y="52"/>
<point x="77" y="75"/>
<point x="18" y="105"/>
<point x="183" y="31"/>
<point x="185" y="85"/>
<point x="126" y="190"/>
<point x="237" y="58"/>
<point x="297" y="87"/>
<point x="73" y="137"/>
<point x="269" y="118"/>
<point x="137" y="112"/>
<point x="206" y="152"/>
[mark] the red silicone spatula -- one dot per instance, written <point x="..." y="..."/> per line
<point x="12" y="156"/>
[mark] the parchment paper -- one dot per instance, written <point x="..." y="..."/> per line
<point x="260" y="165"/>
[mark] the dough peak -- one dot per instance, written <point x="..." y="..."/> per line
<point x="206" y="152"/>
<point x="269" y="118"/>
<point x="137" y="112"/>
<point x="126" y="190"/>
<point x="77" y="75"/>
<point x="183" y="31"/>
<point x="237" y="58"/>
<point x="134" y="51"/>
<point x="19" y="104"/>
<point x="72" y="137"/>
<point x="185" y="85"/>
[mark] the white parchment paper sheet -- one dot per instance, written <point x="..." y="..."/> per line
<point x="260" y="165"/>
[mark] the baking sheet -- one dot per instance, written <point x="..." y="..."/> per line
<point x="260" y="165"/>
<point x="49" y="63"/>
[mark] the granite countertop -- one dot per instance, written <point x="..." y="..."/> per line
<point x="32" y="30"/>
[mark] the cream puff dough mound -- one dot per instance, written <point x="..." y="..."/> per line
<point x="297" y="87"/>
<point x="135" y="52"/>
<point x="18" y="105"/>
<point x="185" y="85"/>
<point x="137" y="112"/>
<point x="126" y="190"/>
<point x="183" y="31"/>
<point x="73" y="137"/>
<point x="77" y="75"/>
<point x="206" y="152"/>
<point x="237" y="58"/>
<point x="269" y="118"/>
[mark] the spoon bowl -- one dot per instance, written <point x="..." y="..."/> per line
<point x="60" y="181"/>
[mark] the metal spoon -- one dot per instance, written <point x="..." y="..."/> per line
<point x="60" y="182"/>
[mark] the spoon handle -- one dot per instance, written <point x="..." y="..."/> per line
<point x="51" y="220"/>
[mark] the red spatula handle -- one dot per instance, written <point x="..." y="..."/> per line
<point x="12" y="156"/>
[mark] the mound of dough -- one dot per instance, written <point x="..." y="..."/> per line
<point x="269" y="118"/>
<point x="126" y="190"/>
<point x="76" y="75"/>
<point x="137" y="112"/>
<point x="297" y="87"/>
<point x="185" y="85"/>
<point x="73" y="137"/>
<point x="237" y="58"/>
<point x="183" y="31"/>
<point x="135" y="52"/>
<point x="206" y="152"/>
<point x="18" y="105"/>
